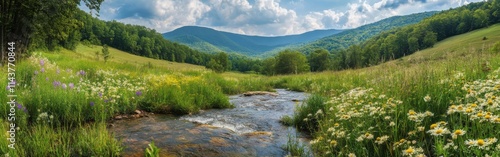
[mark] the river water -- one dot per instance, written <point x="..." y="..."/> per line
<point x="252" y="128"/>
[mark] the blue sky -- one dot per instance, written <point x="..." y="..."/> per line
<point x="264" y="17"/>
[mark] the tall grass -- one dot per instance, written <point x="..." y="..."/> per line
<point x="440" y="107"/>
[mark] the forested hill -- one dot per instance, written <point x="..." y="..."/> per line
<point x="134" y="39"/>
<point x="407" y="40"/>
<point x="358" y="35"/>
<point x="210" y="40"/>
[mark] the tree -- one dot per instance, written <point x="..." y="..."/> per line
<point x="219" y="63"/>
<point x="430" y="39"/>
<point x="288" y="62"/>
<point x="223" y="60"/>
<point x="45" y="23"/>
<point x="413" y="44"/>
<point x="214" y="65"/>
<point x="319" y="60"/>
<point x="268" y="66"/>
<point x="105" y="53"/>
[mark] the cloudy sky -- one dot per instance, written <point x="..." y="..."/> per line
<point x="264" y="17"/>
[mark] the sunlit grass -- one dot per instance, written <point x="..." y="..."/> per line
<point x="427" y="104"/>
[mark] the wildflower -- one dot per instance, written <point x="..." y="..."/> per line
<point x="392" y="124"/>
<point x="319" y="113"/>
<point x="360" y="138"/>
<point x="439" y="131"/>
<point x="481" y="143"/>
<point x="71" y="85"/>
<point x="100" y="94"/>
<point x="368" y="136"/>
<point x="138" y="93"/>
<point x="81" y="72"/>
<point x="333" y="143"/>
<point x="433" y="126"/>
<point x="91" y="103"/>
<point x="42" y="62"/>
<point x="56" y="83"/>
<point x="46" y="78"/>
<point x="420" y="128"/>
<point x="427" y="98"/>
<point x="42" y="70"/>
<point x="409" y="152"/>
<point x="411" y="113"/>
<point x="382" y="139"/>
<point x="36" y="72"/>
<point x="336" y="125"/>
<point x="352" y="155"/>
<point x="459" y="132"/>
<point x="64" y="86"/>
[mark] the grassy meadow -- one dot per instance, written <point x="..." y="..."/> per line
<point x="66" y="98"/>
<point x="440" y="101"/>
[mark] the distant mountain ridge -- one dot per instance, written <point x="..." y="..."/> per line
<point x="358" y="35"/>
<point x="211" y="40"/>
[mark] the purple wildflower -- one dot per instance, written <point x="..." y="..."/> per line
<point x="81" y="72"/>
<point x="42" y="70"/>
<point x="64" y="86"/>
<point x="91" y="103"/>
<point x="56" y="83"/>
<point x="138" y="93"/>
<point x="19" y="106"/>
<point x="107" y="100"/>
<point x="100" y="94"/>
<point x="42" y="62"/>
<point x="8" y="88"/>
<point x="71" y="85"/>
<point x="47" y="78"/>
<point x="36" y="72"/>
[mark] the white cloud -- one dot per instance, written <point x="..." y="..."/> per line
<point x="262" y="17"/>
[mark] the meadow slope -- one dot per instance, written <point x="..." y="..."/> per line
<point x="441" y="101"/>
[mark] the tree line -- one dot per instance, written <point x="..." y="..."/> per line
<point x="407" y="40"/>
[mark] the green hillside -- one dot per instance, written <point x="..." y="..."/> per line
<point x="435" y="102"/>
<point x="213" y="41"/>
<point x="352" y="36"/>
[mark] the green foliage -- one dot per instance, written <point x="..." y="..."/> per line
<point x="40" y="24"/>
<point x="152" y="150"/>
<point x="319" y="60"/>
<point x="296" y="148"/>
<point x="291" y="62"/>
<point x="359" y="35"/>
<point x="308" y="115"/>
<point x="219" y="63"/>
<point x="495" y="48"/>
<point x="213" y="41"/>
<point x="404" y="41"/>
<point x="137" y="40"/>
<point x="105" y="53"/>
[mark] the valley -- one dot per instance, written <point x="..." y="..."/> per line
<point x="425" y="84"/>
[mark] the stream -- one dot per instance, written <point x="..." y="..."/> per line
<point x="252" y="128"/>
